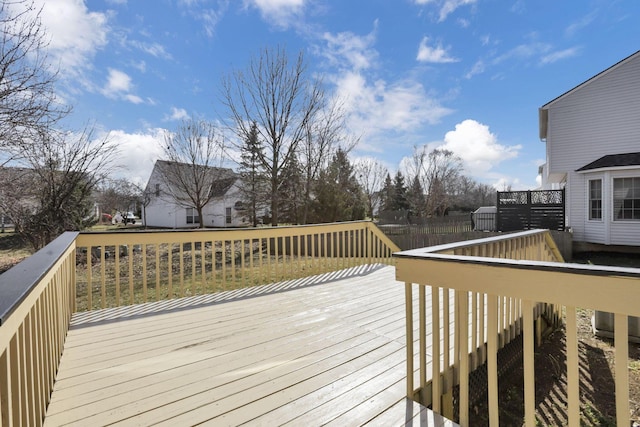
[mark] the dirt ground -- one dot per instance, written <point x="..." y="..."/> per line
<point x="597" y="389"/>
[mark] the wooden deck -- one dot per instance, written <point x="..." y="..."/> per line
<point x="324" y="350"/>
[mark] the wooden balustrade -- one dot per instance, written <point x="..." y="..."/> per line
<point x="474" y="297"/>
<point x="37" y="298"/>
<point x="132" y="267"/>
<point x="502" y="287"/>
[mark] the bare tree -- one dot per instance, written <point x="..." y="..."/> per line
<point x="57" y="178"/>
<point x="28" y="104"/>
<point x="118" y="195"/>
<point x="192" y="172"/>
<point x="277" y="95"/>
<point x="438" y="170"/>
<point x="370" y="173"/>
<point x="324" y="134"/>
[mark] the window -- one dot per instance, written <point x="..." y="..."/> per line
<point x="192" y="216"/>
<point x="626" y="198"/>
<point x="595" y="199"/>
<point x="228" y="216"/>
<point x="157" y="190"/>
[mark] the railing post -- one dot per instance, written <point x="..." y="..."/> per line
<point x="408" y="298"/>
<point x="528" y="364"/>
<point x="621" y="341"/>
<point x="492" y="359"/>
<point x="463" y="317"/>
<point x="573" y="368"/>
<point x="422" y="340"/>
<point x="436" y="384"/>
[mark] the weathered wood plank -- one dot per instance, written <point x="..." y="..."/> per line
<point x="332" y="352"/>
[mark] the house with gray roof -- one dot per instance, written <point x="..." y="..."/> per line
<point x="592" y="137"/>
<point x="168" y="206"/>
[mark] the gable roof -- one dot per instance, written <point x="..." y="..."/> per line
<point x="164" y="164"/>
<point x="592" y="79"/>
<point x="612" y="161"/>
<point x="225" y="177"/>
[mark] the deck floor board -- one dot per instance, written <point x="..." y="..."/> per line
<point x="307" y="353"/>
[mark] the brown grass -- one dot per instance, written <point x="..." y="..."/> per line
<point x="203" y="271"/>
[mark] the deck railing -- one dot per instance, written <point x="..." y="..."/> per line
<point x="37" y="298"/>
<point x="96" y="270"/>
<point x="504" y="286"/>
<point x="133" y="267"/>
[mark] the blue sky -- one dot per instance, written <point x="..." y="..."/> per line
<point x="468" y="75"/>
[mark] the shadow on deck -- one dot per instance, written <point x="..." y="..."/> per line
<point x="328" y="349"/>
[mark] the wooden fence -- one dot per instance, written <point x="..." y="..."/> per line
<point x="528" y="210"/>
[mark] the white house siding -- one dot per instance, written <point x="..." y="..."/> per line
<point x="596" y="119"/>
<point x="160" y="214"/>
<point x="590" y="230"/>
<point x="162" y="211"/>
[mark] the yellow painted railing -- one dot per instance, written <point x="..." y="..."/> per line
<point x="96" y="270"/>
<point x="502" y="287"/>
<point x="37" y="298"/>
<point x="133" y="267"/>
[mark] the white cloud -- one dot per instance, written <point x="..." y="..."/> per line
<point x="177" y="114"/>
<point x="153" y="49"/>
<point x="584" y="22"/>
<point x="449" y="6"/>
<point x="376" y="109"/>
<point x="138" y="153"/>
<point x="118" y="81"/>
<point x="119" y="85"/>
<point x="210" y="17"/>
<point x="478" y="68"/>
<point x="478" y="148"/>
<point x="435" y="54"/>
<point x="559" y="55"/>
<point x="134" y="99"/>
<point x="75" y="33"/>
<point x="379" y="107"/>
<point x="350" y="49"/>
<point x="282" y="13"/>
<point x="524" y="51"/>
<point x="446" y="6"/>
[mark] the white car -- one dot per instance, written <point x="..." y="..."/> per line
<point x="126" y="218"/>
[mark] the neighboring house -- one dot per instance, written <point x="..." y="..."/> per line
<point x="592" y="135"/>
<point x="224" y="209"/>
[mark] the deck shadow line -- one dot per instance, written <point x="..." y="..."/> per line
<point x="136" y="311"/>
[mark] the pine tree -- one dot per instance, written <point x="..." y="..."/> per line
<point x="387" y="196"/>
<point x="339" y="196"/>
<point x="252" y="174"/>
<point x="416" y="198"/>
<point x="291" y="193"/>
<point x="399" y="193"/>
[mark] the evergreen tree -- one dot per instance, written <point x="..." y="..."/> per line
<point x="339" y="196"/>
<point x="254" y="184"/>
<point x="387" y="196"/>
<point x="416" y="198"/>
<point x="291" y="193"/>
<point x="399" y="193"/>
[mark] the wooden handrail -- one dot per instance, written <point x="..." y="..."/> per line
<point x="521" y="271"/>
<point x="37" y="298"/>
<point x="149" y="266"/>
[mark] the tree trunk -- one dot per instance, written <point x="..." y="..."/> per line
<point x="199" y="209"/>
